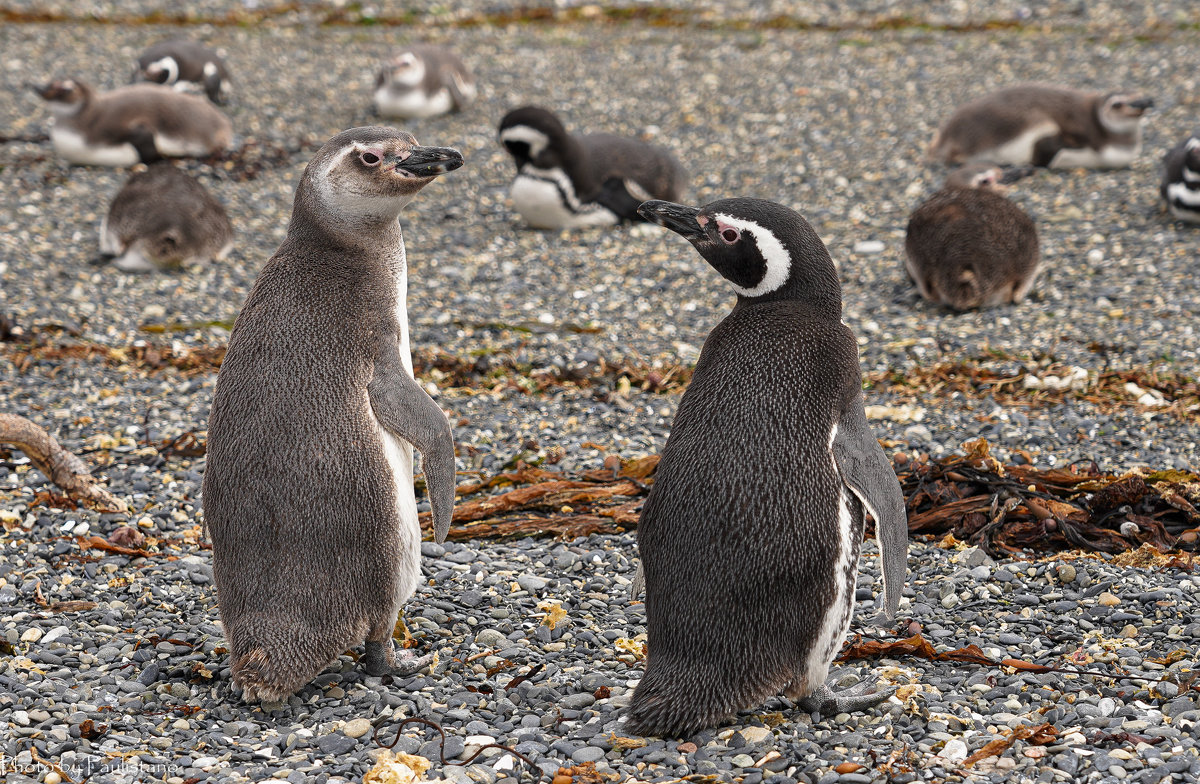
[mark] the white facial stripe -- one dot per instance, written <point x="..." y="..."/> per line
<point x="637" y="191"/>
<point x="1189" y="175"/>
<point x="168" y="65"/>
<point x="536" y="140"/>
<point x="1180" y="194"/>
<point x="409" y="71"/>
<point x="1193" y="143"/>
<point x="210" y="69"/>
<point x="778" y="260"/>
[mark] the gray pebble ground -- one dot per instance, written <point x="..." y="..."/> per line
<point x="832" y="120"/>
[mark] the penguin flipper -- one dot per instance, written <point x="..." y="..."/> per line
<point x="406" y="411"/>
<point x="866" y="471"/>
<point x="615" y="196"/>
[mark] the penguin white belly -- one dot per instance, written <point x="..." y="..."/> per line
<point x="134" y="260"/>
<point x="836" y="621"/>
<point x="399" y="454"/>
<point x="180" y="148"/>
<point x="1110" y="157"/>
<point x="75" y="149"/>
<point x="1019" y="149"/>
<point x="110" y="243"/>
<point x="414" y="103"/>
<point x="1183" y="202"/>
<point x="545" y="201"/>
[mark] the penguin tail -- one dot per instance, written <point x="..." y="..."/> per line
<point x="667" y="706"/>
<point x="965" y="290"/>
<point x="266" y="678"/>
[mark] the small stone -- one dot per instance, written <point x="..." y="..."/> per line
<point x="1108" y="599"/>
<point x="588" y="754"/>
<point x="356" y="728"/>
<point x="531" y="583"/>
<point x="1065" y="573"/>
<point x="32" y="634"/>
<point x="755" y="735"/>
<point x="1130" y="631"/>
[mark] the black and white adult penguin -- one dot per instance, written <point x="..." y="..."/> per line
<point x="138" y="122"/>
<point x="566" y="181"/>
<point x="162" y="219"/>
<point x="1181" y="180"/>
<point x="1045" y="125"/>
<point x="968" y="246"/>
<point x="308" y="486"/>
<point x="749" y="538"/>
<point x="184" y="64"/>
<point x="423" y="80"/>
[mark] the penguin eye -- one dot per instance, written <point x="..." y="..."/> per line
<point x="730" y="235"/>
<point x="1118" y="104"/>
<point x="369" y="158"/>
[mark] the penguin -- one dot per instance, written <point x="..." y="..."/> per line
<point x="1045" y="125"/>
<point x="163" y="218"/>
<point x="566" y="181"/>
<point x="182" y="64"/>
<point x="749" y="538"/>
<point x="422" y="81"/>
<point x="308" y="486"/>
<point x="138" y="122"/>
<point x="968" y="246"/>
<point x="1181" y="180"/>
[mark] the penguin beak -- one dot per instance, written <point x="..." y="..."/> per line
<point x="44" y="92"/>
<point x="679" y="218"/>
<point x="1142" y="103"/>
<point x="427" y="161"/>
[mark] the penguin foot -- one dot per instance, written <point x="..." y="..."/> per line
<point x="383" y="660"/>
<point x="861" y="696"/>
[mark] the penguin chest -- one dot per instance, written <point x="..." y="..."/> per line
<point x="412" y="103"/>
<point x="546" y="199"/>
<point x="74" y="148"/>
<point x="1183" y="198"/>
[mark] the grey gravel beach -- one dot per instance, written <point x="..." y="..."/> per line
<point x="825" y="107"/>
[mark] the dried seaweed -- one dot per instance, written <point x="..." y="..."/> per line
<point x="1041" y="735"/>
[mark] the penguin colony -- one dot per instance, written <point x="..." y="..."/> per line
<point x="758" y="507"/>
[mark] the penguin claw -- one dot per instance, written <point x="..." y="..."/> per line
<point x="378" y="661"/>
<point x="826" y="702"/>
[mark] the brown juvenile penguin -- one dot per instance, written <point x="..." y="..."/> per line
<point x="423" y="80"/>
<point x="163" y="218"/>
<point x="968" y="246"/>
<point x="308" y="491"/>
<point x="138" y="122"/>
<point x="749" y="538"/>
<point x="1045" y="125"/>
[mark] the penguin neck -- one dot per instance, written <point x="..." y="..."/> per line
<point x="817" y="296"/>
<point x="364" y="239"/>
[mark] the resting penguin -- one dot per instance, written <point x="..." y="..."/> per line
<point x="163" y="218"/>
<point x="422" y="81"/>
<point x="138" y="122"/>
<point x="1181" y="180"/>
<point x="308" y="489"/>
<point x="566" y="181"/>
<point x="749" y="538"/>
<point x="968" y="246"/>
<point x="184" y="64"/>
<point x="1045" y="125"/>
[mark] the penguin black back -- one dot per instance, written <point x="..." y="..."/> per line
<point x="749" y="538"/>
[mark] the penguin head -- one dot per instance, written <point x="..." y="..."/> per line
<point x="764" y="249"/>
<point x="65" y="96"/>
<point x="1191" y="156"/>
<point x="1122" y="112"/>
<point x="534" y="135"/>
<point x="372" y="173"/>
<point x="164" y="70"/>
<point x="986" y="176"/>
<point x="406" y="69"/>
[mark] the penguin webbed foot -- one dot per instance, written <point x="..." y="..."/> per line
<point x="827" y="702"/>
<point x="382" y="660"/>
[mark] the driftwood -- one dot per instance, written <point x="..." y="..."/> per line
<point x="62" y="467"/>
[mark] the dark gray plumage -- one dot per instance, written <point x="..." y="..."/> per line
<point x="423" y="80"/>
<point x="968" y="246"/>
<point x="1181" y="180"/>
<point x="1045" y="125"/>
<point x="567" y="180"/>
<point x="308" y="493"/>
<point x="163" y="218"/>
<point x="182" y="63"/>
<point x="749" y="538"/>
<point x="138" y="122"/>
